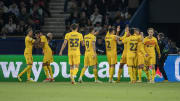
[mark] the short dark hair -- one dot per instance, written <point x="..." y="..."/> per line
<point x="161" y="35"/>
<point x="37" y="32"/>
<point x="74" y="26"/>
<point x="131" y="31"/>
<point x="111" y="29"/>
<point x="91" y="29"/>
<point x="28" y="30"/>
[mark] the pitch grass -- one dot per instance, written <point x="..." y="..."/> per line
<point x="64" y="91"/>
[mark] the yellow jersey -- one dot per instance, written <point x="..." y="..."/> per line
<point x="89" y="39"/>
<point x="132" y="43"/>
<point x="111" y="43"/>
<point x="46" y="48"/>
<point x="74" y="39"/>
<point x="149" y="46"/>
<point x="140" y="47"/>
<point x="28" y="45"/>
<point x="125" y="44"/>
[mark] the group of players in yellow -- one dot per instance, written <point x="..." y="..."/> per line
<point x="40" y="42"/>
<point x="139" y="53"/>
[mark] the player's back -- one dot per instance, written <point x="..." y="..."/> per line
<point x="46" y="48"/>
<point x="28" y="45"/>
<point x="149" y="45"/>
<point x="132" y="43"/>
<point x="89" y="39"/>
<point x="74" y="39"/>
<point x="111" y="43"/>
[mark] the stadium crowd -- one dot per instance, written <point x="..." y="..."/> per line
<point x="99" y="13"/>
<point x="16" y="16"/>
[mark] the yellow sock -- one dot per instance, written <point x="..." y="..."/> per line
<point x="153" y="74"/>
<point x="147" y="74"/>
<point x="29" y="74"/>
<point x="25" y="70"/>
<point x="75" y="71"/>
<point x="130" y="71"/>
<point x="111" y="73"/>
<point x="119" y="74"/>
<point x="82" y="72"/>
<point x="134" y="73"/>
<point x="71" y="74"/>
<point x="95" y="73"/>
<point x="139" y="73"/>
<point x="46" y="71"/>
<point x="50" y="71"/>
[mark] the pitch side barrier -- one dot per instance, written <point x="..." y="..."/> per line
<point x="11" y="65"/>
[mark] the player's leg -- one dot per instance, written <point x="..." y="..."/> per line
<point x="153" y="62"/>
<point x="76" y="61"/>
<point x="50" y="72"/>
<point x="146" y="68"/>
<point x="70" y="58"/>
<point x="140" y="67"/>
<point x="46" y="71"/>
<point x="82" y="73"/>
<point x="29" y="61"/>
<point x="122" y="63"/>
<point x="130" y="68"/>
<point x="86" y="64"/>
<point x="113" y="61"/>
<point x="135" y="67"/>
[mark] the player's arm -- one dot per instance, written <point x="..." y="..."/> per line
<point x="63" y="46"/>
<point x="81" y="40"/>
<point x="157" y="49"/>
<point x="118" y="30"/>
<point x="94" y="48"/>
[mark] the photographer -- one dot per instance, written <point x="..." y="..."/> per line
<point x="162" y="41"/>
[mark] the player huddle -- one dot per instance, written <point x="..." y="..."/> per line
<point x="139" y="53"/>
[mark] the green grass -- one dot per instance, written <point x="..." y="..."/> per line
<point x="64" y="91"/>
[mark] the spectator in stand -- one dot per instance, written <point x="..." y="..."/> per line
<point x="14" y="9"/>
<point x="22" y="27"/>
<point x="84" y="21"/>
<point x="102" y="5"/>
<point x="4" y="8"/>
<point x="72" y="6"/>
<point x="98" y="27"/>
<point x="10" y="28"/>
<point x="23" y="15"/>
<point x="37" y="14"/>
<point x="44" y="6"/>
<point x="74" y="18"/>
<point x="96" y="17"/>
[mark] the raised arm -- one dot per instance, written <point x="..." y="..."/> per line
<point x="63" y="46"/>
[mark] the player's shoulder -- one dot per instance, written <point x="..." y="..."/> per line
<point x="154" y="38"/>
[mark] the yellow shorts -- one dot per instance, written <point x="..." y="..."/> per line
<point x="48" y="58"/>
<point x="140" y="60"/>
<point x="74" y="59"/>
<point x="123" y="58"/>
<point x="90" y="60"/>
<point x="29" y="58"/>
<point x="112" y="59"/>
<point x="150" y="60"/>
<point x="131" y="61"/>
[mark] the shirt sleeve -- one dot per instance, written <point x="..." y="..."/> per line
<point x="66" y="37"/>
<point x="157" y="47"/>
<point x="43" y="39"/>
<point x="81" y="37"/>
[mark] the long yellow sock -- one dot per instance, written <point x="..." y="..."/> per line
<point x="46" y="71"/>
<point x="25" y="70"/>
<point x="147" y="74"/>
<point x="130" y="71"/>
<point x="82" y="72"/>
<point x="50" y="71"/>
<point x="29" y="74"/>
<point x="139" y="73"/>
<point x="75" y="71"/>
<point x="95" y="73"/>
<point x="111" y="73"/>
<point x="119" y="74"/>
<point x="71" y="74"/>
<point x="153" y="74"/>
<point x="134" y="73"/>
